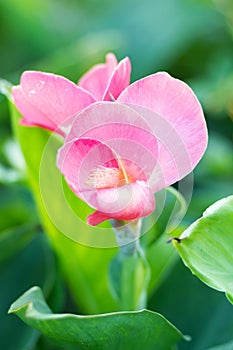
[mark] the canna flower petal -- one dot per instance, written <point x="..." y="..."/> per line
<point x="122" y="129"/>
<point x="124" y="202"/>
<point x="77" y="158"/>
<point x="176" y="118"/>
<point x="107" y="81"/>
<point x="48" y="100"/>
<point x="128" y="202"/>
<point x="51" y="101"/>
<point x="32" y="115"/>
<point x="104" y="113"/>
<point x="119" y="80"/>
<point x="97" y="78"/>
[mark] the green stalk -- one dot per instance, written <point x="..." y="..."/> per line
<point x="129" y="270"/>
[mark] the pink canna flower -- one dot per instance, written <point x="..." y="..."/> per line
<point x="50" y="101"/>
<point x="125" y="142"/>
<point x="117" y="155"/>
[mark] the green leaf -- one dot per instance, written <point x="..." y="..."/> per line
<point x="206" y="247"/>
<point x="124" y="330"/>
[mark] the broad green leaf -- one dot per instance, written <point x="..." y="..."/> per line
<point x="124" y="330"/>
<point x="206" y="247"/>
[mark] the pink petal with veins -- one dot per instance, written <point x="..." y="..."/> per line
<point x="97" y="78"/>
<point x="48" y="100"/>
<point x="128" y="202"/>
<point x="116" y="126"/>
<point x="29" y="111"/>
<point x="119" y="80"/>
<point x="176" y="119"/>
<point x="76" y="159"/>
<point x="104" y="113"/>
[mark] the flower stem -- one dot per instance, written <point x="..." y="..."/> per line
<point x="129" y="270"/>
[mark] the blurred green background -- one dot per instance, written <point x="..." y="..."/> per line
<point x="192" y="40"/>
